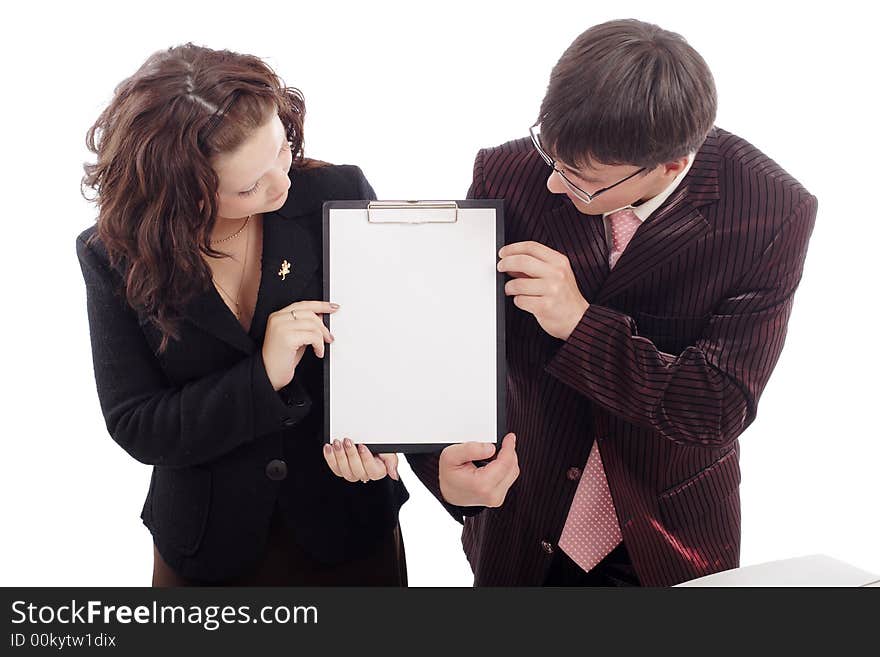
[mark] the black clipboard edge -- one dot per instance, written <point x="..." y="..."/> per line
<point x="500" y="309"/>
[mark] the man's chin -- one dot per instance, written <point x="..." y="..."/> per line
<point x="585" y="208"/>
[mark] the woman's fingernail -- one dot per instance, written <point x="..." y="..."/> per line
<point x="348" y="443"/>
<point x="332" y="338"/>
<point x="334" y="306"/>
<point x="337" y="445"/>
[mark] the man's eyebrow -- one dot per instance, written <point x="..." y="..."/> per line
<point x="580" y="174"/>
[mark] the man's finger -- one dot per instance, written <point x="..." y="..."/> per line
<point x="528" y="304"/>
<point x="463" y="453"/>
<point x="526" y="264"/>
<point x="499" y="470"/>
<point x="508" y="456"/>
<point x="531" y="248"/>
<point x="533" y="287"/>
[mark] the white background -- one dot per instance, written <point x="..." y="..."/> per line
<point x="409" y="93"/>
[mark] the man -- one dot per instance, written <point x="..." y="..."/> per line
<point x="652" y="259"/>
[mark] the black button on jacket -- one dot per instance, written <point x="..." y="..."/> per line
<point x="205" y="416"/>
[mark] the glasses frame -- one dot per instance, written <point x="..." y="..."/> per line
<point x="583" y="195"/>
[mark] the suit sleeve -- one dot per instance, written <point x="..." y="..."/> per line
<point x="427" y="466"/>
<point x="708" y="394"/>
<point x="155" y="422"/>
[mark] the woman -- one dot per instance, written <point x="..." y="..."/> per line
<point x="203" y="277"/>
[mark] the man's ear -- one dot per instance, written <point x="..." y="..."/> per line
<point x="675" y="167"/>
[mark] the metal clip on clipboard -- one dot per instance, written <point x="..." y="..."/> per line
<point x="401" y="212"/>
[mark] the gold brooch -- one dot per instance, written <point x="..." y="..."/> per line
<point x="285" y="269"/>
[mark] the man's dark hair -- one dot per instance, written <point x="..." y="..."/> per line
<point x="627" y="92"/>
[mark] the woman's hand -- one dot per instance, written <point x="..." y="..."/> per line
<point x="288" y="332"/>
<point x="356" y="462"/>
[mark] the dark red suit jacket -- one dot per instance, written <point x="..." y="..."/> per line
<point x="664" y="370"/>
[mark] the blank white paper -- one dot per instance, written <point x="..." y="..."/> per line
<point x="415" y="350"/>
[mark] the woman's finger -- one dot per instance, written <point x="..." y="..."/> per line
<point x="354" y="461"/>
<point x="307" y="321"/>
<point x="374" y="467"/>
<point x="309" y="337"/>
<point x="323" y="307"/>
<point x="330" y="457"/>
<point x="390" y="461"/>
<point x="342" y="461"/>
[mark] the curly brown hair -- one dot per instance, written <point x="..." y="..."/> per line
<point x="153" y="181"/>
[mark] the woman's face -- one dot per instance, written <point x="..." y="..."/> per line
<point x="253" y="178"/>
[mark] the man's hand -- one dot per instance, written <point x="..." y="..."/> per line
<point x="544" y="285"/>
<point x="464" y="484"/>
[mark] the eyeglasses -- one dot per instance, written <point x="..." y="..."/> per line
<point x="585" y="196"/>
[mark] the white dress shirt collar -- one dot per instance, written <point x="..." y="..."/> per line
<point x="644" y="210"/>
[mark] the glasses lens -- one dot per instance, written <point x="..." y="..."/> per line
<point x="574" y="189"/>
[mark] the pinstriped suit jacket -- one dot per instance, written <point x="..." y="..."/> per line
<point x="664" y="370"/>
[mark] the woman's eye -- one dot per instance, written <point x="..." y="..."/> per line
<point x="252" y="190"/>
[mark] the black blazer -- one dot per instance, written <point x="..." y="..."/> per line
<point x="225" y="447"/>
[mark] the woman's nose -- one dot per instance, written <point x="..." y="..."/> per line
<point x="280" y="181"/>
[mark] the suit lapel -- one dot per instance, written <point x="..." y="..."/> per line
<point x="673" y="226"/>
<point x="290" y="261"/>
<point x="582" y="239"/>
<point x="284" y="240"/>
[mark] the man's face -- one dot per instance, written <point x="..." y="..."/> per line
<point x="591" y="179"/>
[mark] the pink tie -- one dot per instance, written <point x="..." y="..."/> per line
<point x="591" y="530"/>
<point x="624" y="224"/>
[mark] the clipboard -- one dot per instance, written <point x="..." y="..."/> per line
<point x="419" y="360"/>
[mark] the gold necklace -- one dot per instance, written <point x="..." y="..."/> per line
<point x="241" y="281"/>
<point x="236" y="233"/>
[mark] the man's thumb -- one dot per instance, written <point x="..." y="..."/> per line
<point x="472" y="451"/>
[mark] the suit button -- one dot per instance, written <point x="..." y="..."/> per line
<point x="547" y="547"/>
<point x="300" y="402"/>
<point x="288" y="421"/>
<point x="573" y="474"/>
<point x="276" y="470"/>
